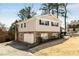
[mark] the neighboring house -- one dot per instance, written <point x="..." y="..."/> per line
<point x="73" y="27"/>
<point x="37" y="27"/>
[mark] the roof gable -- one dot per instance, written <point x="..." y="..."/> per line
<point x="48" y="16"/>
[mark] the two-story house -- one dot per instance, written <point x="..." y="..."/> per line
<point x="44" y="26"/>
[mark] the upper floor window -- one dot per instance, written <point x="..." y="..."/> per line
<point x="24" y="24"/>
<point x="52" y="24"/>
<point x="21" y="25"/>
<point x="41" y="22"/>
<point x="57" y="24"/>
<point x="46" y="22"/>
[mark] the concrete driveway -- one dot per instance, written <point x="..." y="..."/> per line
<point x="7" y="50"/>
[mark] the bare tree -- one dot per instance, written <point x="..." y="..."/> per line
<point x="26" y="13"/>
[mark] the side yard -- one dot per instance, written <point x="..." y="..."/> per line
<point x="69" y="47"/>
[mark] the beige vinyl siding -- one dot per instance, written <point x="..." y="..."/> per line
<point x="47" y="27"/>
<point x="30" y="25"/>
<point x="33" y="24"/>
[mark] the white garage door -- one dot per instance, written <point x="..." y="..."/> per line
<point x="44" y="35"/>
<point x="29" y="38"/>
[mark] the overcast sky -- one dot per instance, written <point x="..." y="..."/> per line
<point x="8" y="12"/>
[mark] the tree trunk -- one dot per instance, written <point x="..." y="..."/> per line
<point x="57" y="11"/>
<point x="65" y="17"/>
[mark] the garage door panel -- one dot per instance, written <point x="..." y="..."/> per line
<point x="29" y="37"/>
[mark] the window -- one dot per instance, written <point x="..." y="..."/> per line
<point x="41" y="22"/>
<point x="21" y="25"/>
<point x="52" y="24"/>
<point x="57" y="24"/>
<point x="46" y="22"/>
<point x="24" y="24"/>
